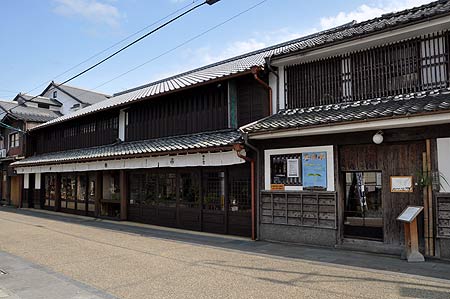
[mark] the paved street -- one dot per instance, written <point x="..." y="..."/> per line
<point x="97" y="257"/>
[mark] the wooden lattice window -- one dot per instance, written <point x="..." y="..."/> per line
<point x="314" y="83"/>
<point x="408" y="66"/>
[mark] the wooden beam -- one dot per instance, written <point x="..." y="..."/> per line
<point x="123" y="195"/>
<point x="58" y="192"/>
<point x="98" y="192"/>
<point x="430" y="200"/>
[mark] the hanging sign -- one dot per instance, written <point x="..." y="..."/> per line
<point x="314" y="166"/>
<point x="401" y="184"/>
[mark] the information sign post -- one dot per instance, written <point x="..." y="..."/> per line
<point x="409" y="218"/>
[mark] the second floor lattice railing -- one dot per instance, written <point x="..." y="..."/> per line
<point x="408" y="66"/>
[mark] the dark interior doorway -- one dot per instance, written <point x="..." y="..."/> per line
<point x="363" y="215"/>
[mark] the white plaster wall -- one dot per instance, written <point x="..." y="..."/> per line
<point x="26" y="181"/>
<point x="189" y="160"/>
<point x="66" y="101"/>
<point x="37" y="181"/>
<point x="122" y="123"/>
<point x="443" y="147"/>
<point x="273" y="86"/>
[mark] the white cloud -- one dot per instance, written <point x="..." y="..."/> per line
<point x="91" y="10"/>
<point x="368" y="11"/>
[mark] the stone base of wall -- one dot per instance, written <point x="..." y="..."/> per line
<point x="297" y="234"/>
<point x="444" y="248"/>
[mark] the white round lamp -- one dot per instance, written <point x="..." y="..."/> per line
<point x="378" y="138"/>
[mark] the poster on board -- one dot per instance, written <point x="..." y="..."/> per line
<point x="314" y="170"/>
<point x="293" y="168"/>
<point x="401" y="184"/>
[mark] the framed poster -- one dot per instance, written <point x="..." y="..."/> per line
<point x="293" y="168"/>
<point x="401" y="184"/>
<point x="314" y="170"/>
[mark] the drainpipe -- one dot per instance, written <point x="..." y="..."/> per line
<point x="275" y="73"/>
<point x="255" y="71"/>
<point x="238" y="148"/>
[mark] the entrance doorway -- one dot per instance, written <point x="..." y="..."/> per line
<point x="363" y="214"/>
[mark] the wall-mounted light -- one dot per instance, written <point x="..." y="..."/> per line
<point x="378" y="137"/>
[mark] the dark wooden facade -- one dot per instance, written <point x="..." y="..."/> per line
<point x="89" y="131"/>
<point x="201" y="109"/>
<point x="218" y="199"/>
<point x="252" y="101"/>
<point x="400" y="154"/>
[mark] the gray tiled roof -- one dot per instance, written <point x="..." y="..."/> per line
<point x="244" y="62"/>
<point x="83" y="95"/>
<point x="32" y="114"/>
<point x="40" y="99"/>
<point x="388" y="107"/>
<point x="386" y="21"/>
<point x="193" y="142"/>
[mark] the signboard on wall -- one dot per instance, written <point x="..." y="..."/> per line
<point x="314" y="170"/>
<point x="401" y="184"/>
<point x="293" y="168"/>
<point x="277" y="187"/>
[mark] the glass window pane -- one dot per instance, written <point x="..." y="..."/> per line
<point x="214" y="197"/>
<point x="92" y="186"/>
<point x="281" y="164"/>
<point x="81" y="188"/>
<point x="111" y="185"/>
<point x="189" y="186"/>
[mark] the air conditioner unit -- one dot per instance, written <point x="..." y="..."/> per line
<point x="3" y="153"/>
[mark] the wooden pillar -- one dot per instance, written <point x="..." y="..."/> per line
<point x="430" y="201"/>
<point x="123" y="195"/>
<point x="98" y="191"/>
<point x="339" y="181"/>
<point x="58" y="192"/>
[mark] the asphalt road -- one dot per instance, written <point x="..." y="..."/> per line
<point x="137" y="261"/>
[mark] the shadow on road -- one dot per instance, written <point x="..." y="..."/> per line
<point x="367" y="261"/>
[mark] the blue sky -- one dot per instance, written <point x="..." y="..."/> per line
<point x="42" y="39"/>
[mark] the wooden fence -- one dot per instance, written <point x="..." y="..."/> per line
<point x="443" y="215"/>
<point x="299" y="208"/>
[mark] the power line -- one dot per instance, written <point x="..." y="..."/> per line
<point x="114" y="45"/>
<point x="209" y="2"/>
<point x="180" y="45"/>
<point x="134" y="42"/>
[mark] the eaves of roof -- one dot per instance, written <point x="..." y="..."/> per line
<point x="392" y="107"/>
<point x="183" y="144"/>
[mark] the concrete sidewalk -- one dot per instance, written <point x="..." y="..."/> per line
<point x="130" y="260"/>
<point x="20" y="279"/>
<point x="432" y="268"/>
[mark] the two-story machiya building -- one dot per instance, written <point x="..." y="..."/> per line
<point x="167" y="153"/>
<point x="360" y="130"/>
<point x="25" y="112"/>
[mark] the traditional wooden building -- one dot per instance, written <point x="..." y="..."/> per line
<point x="362" y="131"/>
<point x="168" y="153"/>
<point x="339" y="132"/>
<point x="23" y="113"/>
<point x="17" y="116"/>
